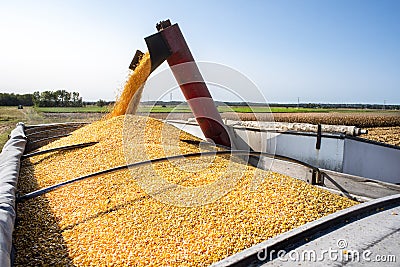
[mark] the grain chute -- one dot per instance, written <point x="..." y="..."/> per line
<point x="169" y="44"/>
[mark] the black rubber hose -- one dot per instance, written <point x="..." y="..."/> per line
<point x="158" y="160"/>
<point x="48" y="138"/>
<point x="36" y="153"/>
<point x="50" y="130"/>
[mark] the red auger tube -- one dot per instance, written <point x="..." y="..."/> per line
<point x="192" y="85"/>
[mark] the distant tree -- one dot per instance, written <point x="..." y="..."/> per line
<point x="46" y="99"/>
<point x="311" y="105"/>
<point x="76" y="100"/>
<point x="36" y="98"/>
<point x="67" y="98"/>
<point x="101" y="103"/>
<point x="63" y="97"/>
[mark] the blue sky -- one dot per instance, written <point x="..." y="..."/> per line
<point x="320" y="51"/>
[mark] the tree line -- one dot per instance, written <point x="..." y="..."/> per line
<point x="58" y="98"/>
<point x="7" y="99"/>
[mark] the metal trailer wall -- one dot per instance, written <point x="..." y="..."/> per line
<point x="297" y="146"/>
<point x="9" y="171"/>
<point x="302" y="147"/>
<point x="337" y="152"/>
<point x="369" y="159"/>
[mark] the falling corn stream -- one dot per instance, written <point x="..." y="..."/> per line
<point x="112" y="221"/>
<point x="132" y="92"/>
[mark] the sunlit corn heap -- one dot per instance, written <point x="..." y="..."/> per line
<point x="190" y="212"/>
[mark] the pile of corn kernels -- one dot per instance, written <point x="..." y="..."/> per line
<point x="136" y="218"/>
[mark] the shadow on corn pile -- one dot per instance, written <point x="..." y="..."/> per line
<point x="36" y="227"/>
